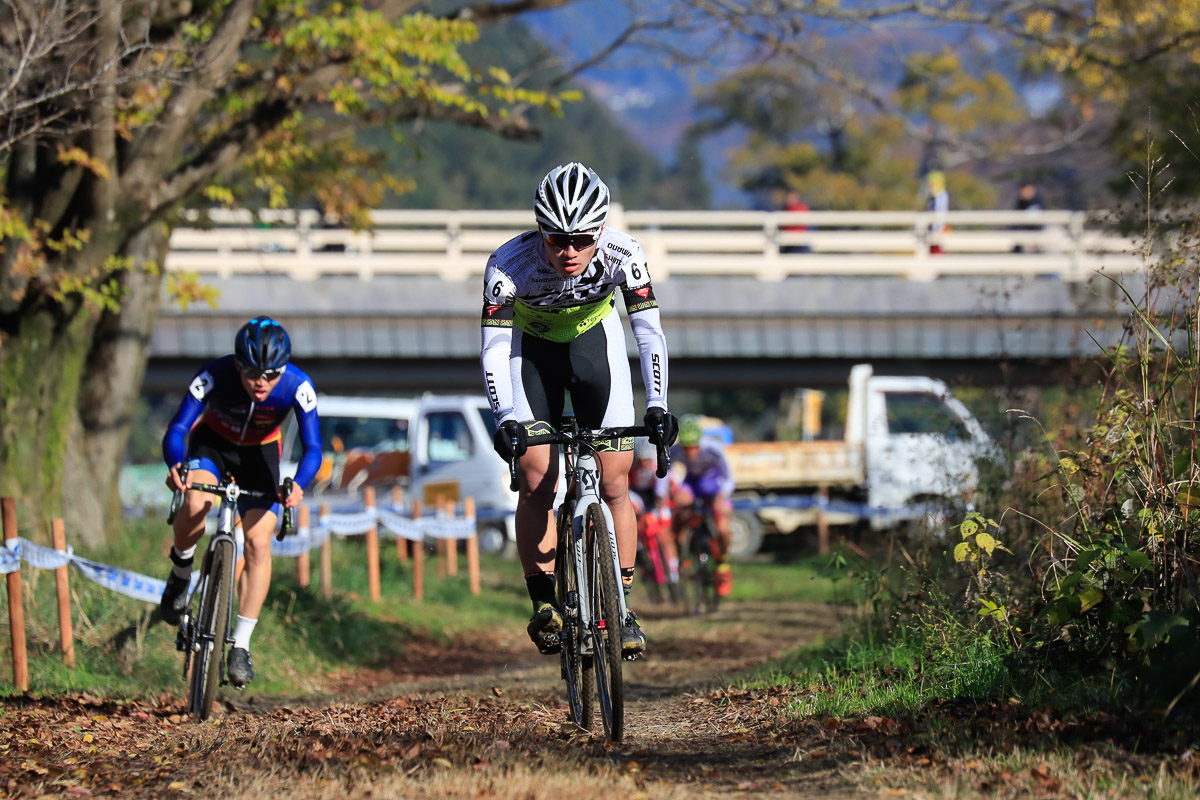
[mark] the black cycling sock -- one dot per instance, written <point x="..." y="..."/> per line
<point x="541" y="588"/>
<point x="627" y="577"/>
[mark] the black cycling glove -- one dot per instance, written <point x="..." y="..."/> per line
<point x="660" y="416"/>
<point x="503" y="440"/>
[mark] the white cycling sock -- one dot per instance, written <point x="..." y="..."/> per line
<point x="243" y="632"/>
<point x="184" y="571"/>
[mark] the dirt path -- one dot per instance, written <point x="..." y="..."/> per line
<point x="484" y="718"/>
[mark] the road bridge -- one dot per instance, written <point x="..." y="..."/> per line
<point x="398" y="310"/>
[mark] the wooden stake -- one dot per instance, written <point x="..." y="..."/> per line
<point x="451" y="544"/>
<point x="16" y="610"/>
<point x="372" y="547"/>
<point x="401" y="542"/>
<point x="66" y="637"/>
<point x="302" y="563"/>
<point x="822" y="522"/>
<point x="418" y="554"/>
<point x="326" y="556"/>
<point x="439" y="509"/>
<point x="472" y="548"/>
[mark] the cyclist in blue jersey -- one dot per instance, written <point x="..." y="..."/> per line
<point x="705" y="477"/>
<point x="548" y="330"/>
<point x="228" y="427"/>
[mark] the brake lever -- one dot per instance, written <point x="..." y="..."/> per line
<point x="664" y="452"/>
<point x="177" y="498"/>
<point x="288" y="523"/>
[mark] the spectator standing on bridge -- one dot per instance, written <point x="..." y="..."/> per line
<point x="228" y="427"/>
<point x="1029" y="200"/>
<point x="793" y="202"/>
<point x="937" y="201"/>
<point x="548" y="330"/>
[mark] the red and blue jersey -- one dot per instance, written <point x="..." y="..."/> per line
<point x="217" y="399"/>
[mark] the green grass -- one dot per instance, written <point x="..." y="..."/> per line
<point x="814" y="578"/>
<point x="122" y="648"/>
<point x="855" y="677"/>
<point x="302" y="638"/>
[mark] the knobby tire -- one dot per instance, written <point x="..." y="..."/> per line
<point x="567" y="583"/>
<point x="214" y="623"/>
<point x="607" y="658"/>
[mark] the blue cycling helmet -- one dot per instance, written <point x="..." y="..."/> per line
<point x="262" y="344"/>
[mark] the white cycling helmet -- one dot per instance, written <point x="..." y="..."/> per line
<point x="571" y="199"/>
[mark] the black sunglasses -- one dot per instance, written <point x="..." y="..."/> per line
<point x="254" y="374"/>
<point x="579" y="241"/>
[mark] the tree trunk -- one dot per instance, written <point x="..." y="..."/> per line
<point x="43" y="351"/>
<point x="109" y="391"/>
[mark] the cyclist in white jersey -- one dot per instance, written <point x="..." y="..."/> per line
<point x="548" y="329"/>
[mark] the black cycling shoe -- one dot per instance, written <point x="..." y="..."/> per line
<point x="633" y="640"/>
<point x="239" y="670"/>
<point x="174" y="599"/>
<point x="544" y="629"/>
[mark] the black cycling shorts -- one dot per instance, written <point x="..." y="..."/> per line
<point x="253" y="466"/>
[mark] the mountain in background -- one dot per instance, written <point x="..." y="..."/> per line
<point x="455" y="167"/>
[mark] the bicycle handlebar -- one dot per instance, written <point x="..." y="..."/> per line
<point x="289" y="515"/>
<point x="594" y="435"/>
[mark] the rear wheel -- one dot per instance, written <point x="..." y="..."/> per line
<point x="745" y="536"/>
<point x="606" y="624"/>
<point x="579" y="705"/>
<point x="213" y="628"/>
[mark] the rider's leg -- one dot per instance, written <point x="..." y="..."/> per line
<point x="681" y="521"/>
<point x="615" y="491"/>
<point x="189" y="520"/>
<point x="188" y="528"/>
<point x="536" y="536"/>
<point x="258" y="525"/>
<point x="614" y="488"/>
<point x="537" y="542"/>
<point x="722" y="515"/>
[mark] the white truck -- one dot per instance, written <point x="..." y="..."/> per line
<point x="909" y="445"/>
<point x="432" y="446"/>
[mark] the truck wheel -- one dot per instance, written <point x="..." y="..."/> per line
<point x="492" y="540"/>
<point x="746" y="536"/>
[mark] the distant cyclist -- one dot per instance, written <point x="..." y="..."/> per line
<point x="653" y="512"/>
<point x="228" y="427"/>
<point x="548" y="329"/>
<point x="705" y="477"/>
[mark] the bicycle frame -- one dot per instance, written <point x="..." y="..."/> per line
<point x="198" y="636"/>
<point x="226" y="521"/>
<point x="585" y="488"/>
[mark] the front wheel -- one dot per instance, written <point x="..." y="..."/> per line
<point x="606" y="623"/>
<point x="576" y="669"/>
<point x="213" y="622"/>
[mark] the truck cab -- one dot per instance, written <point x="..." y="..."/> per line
<point x="921" y="444"/>
<point x="432" y="446"/>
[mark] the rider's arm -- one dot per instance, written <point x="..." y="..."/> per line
<point x="304" y="404"/>
<point x="174" y="443"/>
<point x="725" y="477"/>
<point x="646" y="323"/>
<point x="497" y="327"/>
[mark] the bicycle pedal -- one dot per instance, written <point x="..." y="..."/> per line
<point x="631" y="656"/>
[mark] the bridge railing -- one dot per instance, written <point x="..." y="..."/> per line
<point x="769" y="245"/>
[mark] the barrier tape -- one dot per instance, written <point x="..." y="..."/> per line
<point x="802" y="502"/>
<point x="142" y="587"/>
